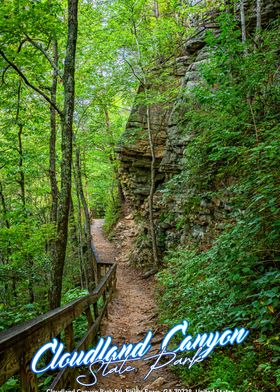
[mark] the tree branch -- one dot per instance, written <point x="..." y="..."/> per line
<point x="8" y="66"/>
<point x="45" y="53"/>
<point x="26" y="81"/>
<point x="3" y="74"/>
<point x="133" y="71"/>
<point x="21" y="45"/>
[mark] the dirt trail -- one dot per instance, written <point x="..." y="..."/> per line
<point x="132" y="312"/>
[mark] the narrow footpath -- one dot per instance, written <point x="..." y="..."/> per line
<point x="132" y="312"/>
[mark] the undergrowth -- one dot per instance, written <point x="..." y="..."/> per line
<point x="112" y="213"/>
<point x="233" y="156"/>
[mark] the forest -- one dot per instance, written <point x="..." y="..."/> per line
<point x="162" y="118"/>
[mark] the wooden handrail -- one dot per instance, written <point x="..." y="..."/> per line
<point x="19" y="344"/>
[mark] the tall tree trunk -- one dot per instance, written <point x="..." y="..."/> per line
<point x="243" y="21"/>
<point x="259" y="16"/>
<point x="259" y="20"/>
<point x="113" y="155"/>
<point x="83" y="273"/>
<point x="9" y="250"/>
<point x="52" y="169"/>
<point x="21" y="179"/>
<point x="66" y="148"/>
<point x="52" y="155"/>
<point x="92" y="262"/>
<point x="73" y="234"/>
<point x="152" y="190"/>
<point x="4" y="208"/>
<point x="153" y="158"/>
<point x="156" y="9"/>
<point x="21" y="182"/>
<point x="72" y="227"/>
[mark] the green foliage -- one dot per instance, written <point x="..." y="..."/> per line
<point x="18" y="314"/>
<point x="112" y="213"/>
<point x="233" y="156"/>
<point x="11" y="385"/>
<point x="72" y="294"/>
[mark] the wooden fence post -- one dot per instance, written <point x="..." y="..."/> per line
<point x="89" y="317"/>
<point x="28" y="379"/>
<point x="69" y="337"/>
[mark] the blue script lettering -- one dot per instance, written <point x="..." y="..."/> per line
<point x="207" y="341"/>
<point x="113" y="359"/>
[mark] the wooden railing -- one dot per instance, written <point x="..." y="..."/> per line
<point x="19" y="344"/>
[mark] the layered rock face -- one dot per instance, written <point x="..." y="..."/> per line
<point x="135" y="154"/>
<point x="169" y="141"/>
<point x="134" y="151"/>
<point x="175" y="223"/>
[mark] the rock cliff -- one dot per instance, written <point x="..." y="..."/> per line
<point x="180" y="214"/>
